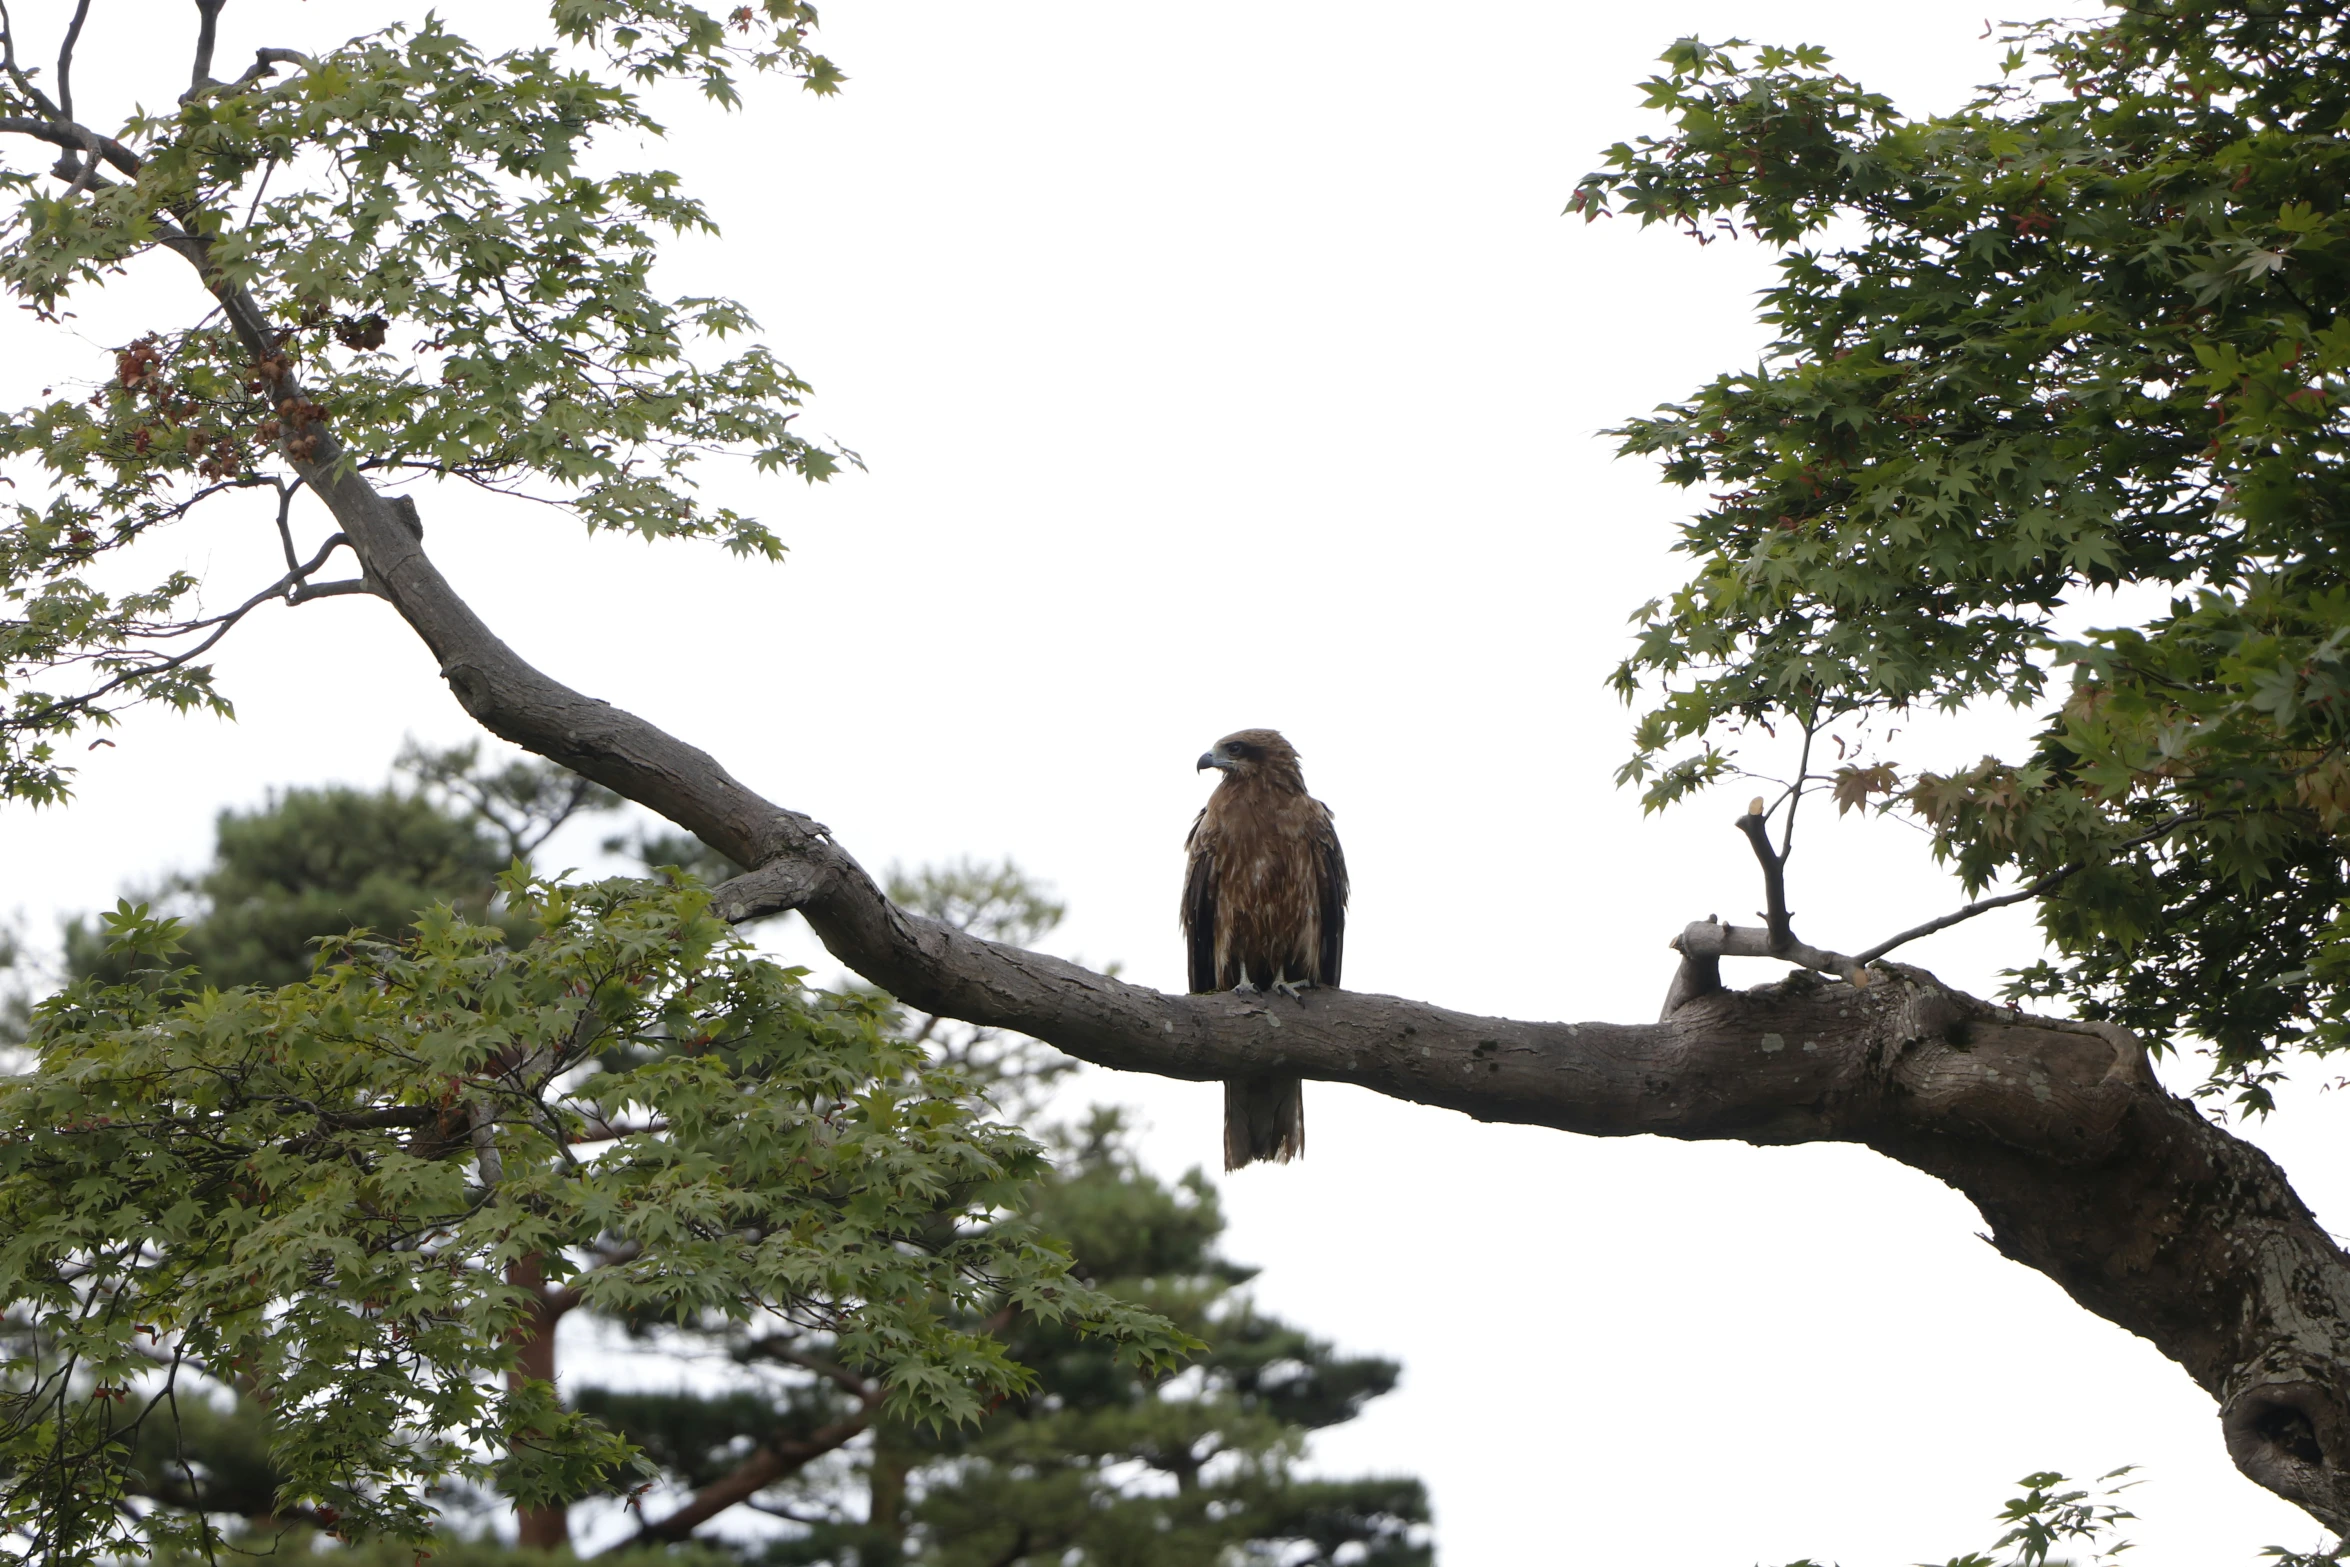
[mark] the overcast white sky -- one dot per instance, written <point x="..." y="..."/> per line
<point x="1236" y="367"/>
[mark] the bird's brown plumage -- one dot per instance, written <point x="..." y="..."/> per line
<point x="1264" y="907"/>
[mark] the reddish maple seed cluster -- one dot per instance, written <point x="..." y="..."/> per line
<point x="365" y="331"/>
<point x="138" y="370"/>
<point x="140" y="366"/>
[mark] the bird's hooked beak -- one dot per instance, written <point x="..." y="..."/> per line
<point x="1210" y="759"/>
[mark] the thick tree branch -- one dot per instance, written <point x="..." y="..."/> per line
<point x="2086" y="1170"/>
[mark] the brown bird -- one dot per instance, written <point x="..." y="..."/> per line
<point x="1264" y="907"/>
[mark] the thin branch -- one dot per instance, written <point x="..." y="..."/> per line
<point x="81" y="173"/>
<point x="1802" y="776"/>
<point x="265" y="64"/>
<point x="73" y="36"/>
<point x="1757" y="828"/>
<point x="595" y="1129"/>
<point x="207" y="31"/>
<point x="285" y="531"/>
<point x="222" y="625"/>
<point x="16" y="72"/>
<point x="778" y="1510"/>
<point x="2054" y="878"/>
<point x="290" y="580"/>
<point x="260" y="189"/>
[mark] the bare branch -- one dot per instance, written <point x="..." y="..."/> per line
<point x="44" y="130"/>
<point x="73" y="138"/>
<point x="285" y="528"/>
<point x="1802" y="776"/>
<point x="1710" y="940"/>
<point x="265" y="64"/>
<point x="2047" y="883"/>
<point x="207" y="31"/>
<point x="16" y="72"/>
<point x="220" y="625"/>
<point x="305" y="592"/>
<point x="1774" y="868"/>
<point x="73" y="36"/>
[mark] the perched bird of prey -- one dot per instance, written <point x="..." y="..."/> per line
<point x="1264" y="908"/>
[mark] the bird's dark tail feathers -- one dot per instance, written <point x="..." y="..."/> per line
<point x="1264" y="1118"/>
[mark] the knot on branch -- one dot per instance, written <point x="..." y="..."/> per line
<point x="774" y="888"/>
<point x="2293" y="1438"/>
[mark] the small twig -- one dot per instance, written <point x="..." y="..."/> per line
<point x="259" y="190"/>
<point x="1802" y="777"/>
<point x="285" y="531"/>
<point x="82" y="172"/>
<point x="2054" y="878"/>
<point x="595" y="1129"/>
<point x="221" y="624"/>
<point x="778" y="1510"/>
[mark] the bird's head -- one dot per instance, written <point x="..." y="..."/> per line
<point x="1253" y="755"/>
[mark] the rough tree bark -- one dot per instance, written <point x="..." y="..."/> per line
<point x="2086" y="1169"/>
<point x="538" y="1528"/>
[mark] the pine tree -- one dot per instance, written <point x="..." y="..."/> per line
<point x="1096" y="1464"/>
<point x="322" y="861"/>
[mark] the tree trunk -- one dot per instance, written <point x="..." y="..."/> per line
<point x="2086" y="1169"/>
<point x="537" y="1528"/>
<point x="885" y="1508"/>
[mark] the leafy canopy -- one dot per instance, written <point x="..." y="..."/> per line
<point x="429" y="231"/>
<point x="318" y="1197"/>
<point x="2074" y="351"/>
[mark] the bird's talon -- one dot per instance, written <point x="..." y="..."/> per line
<point x="1244" y="988"/>
<point x="1283" y="987"/>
